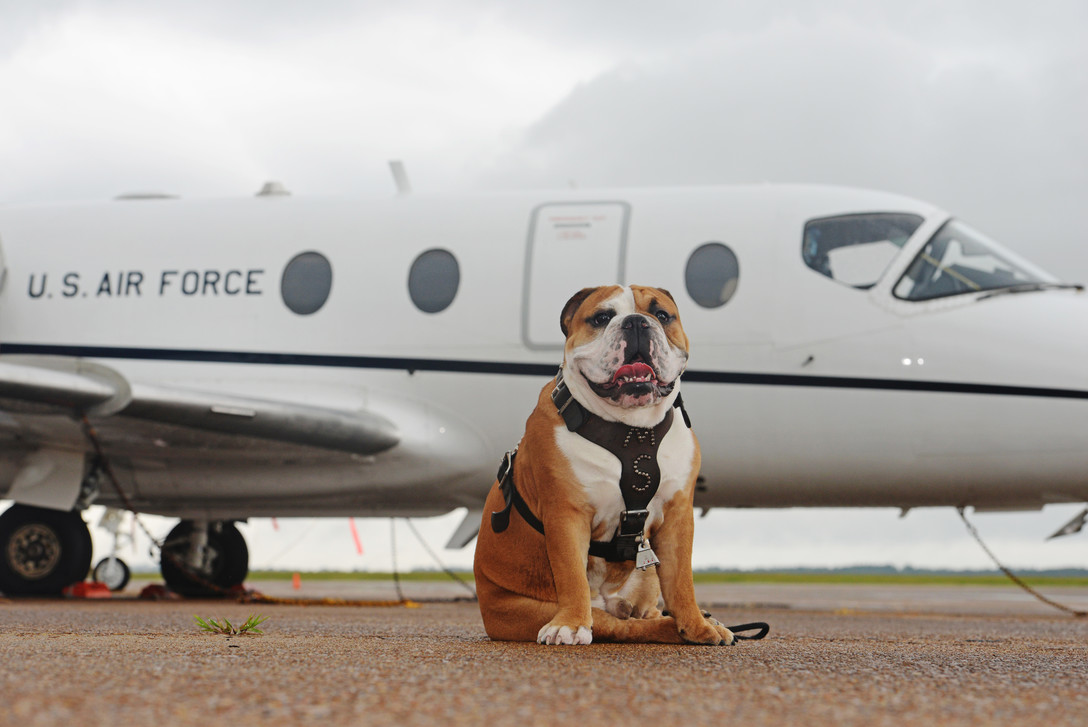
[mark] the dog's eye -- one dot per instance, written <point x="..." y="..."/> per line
<point x="601" y="319"/>
<point x="664" y="317"/>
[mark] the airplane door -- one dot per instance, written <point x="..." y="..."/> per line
<point x="571" y="246"/>
<point x="3" y="268"/>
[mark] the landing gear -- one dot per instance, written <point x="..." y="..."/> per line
<point x="202" y="559"/>
<point x="42" y="551"/>
<point x="112" y="572"/>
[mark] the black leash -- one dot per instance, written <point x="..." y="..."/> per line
<point x="762" y="627"/>
<point x="738" y="631"/>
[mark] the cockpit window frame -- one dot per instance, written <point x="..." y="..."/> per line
<point x="816" y="258"/>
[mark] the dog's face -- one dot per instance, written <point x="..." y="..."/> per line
<point x="625" y="349"/>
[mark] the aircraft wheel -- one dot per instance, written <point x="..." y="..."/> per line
<point x="113" y="573"/>
<point x="42" y="550"/>
<point x="226" y="562"/>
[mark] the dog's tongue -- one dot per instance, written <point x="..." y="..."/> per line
<point x="637" y="370"/>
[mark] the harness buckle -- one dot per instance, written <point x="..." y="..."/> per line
<point x="557" y="393"/>
<point x="633" y="522"/>
<point x="629" y="542"/>
<point x="505" y="467"/>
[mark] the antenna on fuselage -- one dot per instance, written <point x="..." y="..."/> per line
<point x="400" y="177"/>
<point x="274" y="189"/>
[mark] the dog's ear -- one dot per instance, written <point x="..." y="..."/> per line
<point x="571" y="307"/>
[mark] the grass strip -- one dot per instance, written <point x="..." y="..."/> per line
<point x="769" y="577"/>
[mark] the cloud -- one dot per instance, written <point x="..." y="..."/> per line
<point x="108" y="97"/>
<point x="990" y="130"/>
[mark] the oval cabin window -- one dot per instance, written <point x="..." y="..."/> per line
<point x="306" y="282"/>
<point x="433" y="280"/>
<point x="711" y="275"/>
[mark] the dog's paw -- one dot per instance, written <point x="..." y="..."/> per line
<point x="711" y="620"/>
<point x="554" y="633"/>
<point x="621" y="608"/>
<point x="707" y="631"/>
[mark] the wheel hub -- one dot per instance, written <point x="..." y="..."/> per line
<point x="34" y="551"/>
<point x="112" y="572"/>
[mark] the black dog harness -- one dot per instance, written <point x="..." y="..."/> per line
<point x="640" y="476"/>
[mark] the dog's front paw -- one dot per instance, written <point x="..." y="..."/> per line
<point x="706" y="631"/>
<point x="555" y="633"/>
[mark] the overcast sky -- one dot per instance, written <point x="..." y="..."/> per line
<point x="978" y="106"/>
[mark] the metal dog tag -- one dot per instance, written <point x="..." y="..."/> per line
<point x="645" y="556"/>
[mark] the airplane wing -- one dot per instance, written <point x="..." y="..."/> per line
<point x="48" y="384"/>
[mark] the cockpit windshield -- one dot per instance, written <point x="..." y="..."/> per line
<point x="960" y="260"/>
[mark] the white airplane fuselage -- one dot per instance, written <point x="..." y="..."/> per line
<point x="803" y="390"/>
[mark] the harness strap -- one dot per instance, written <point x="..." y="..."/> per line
<point x="501" y="520"/>
<point x="574" y="414"/>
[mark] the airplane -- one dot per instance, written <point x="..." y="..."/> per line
<point x="278" y="355"/>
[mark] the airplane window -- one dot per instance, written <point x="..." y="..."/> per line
<point x="855" y="250"/>
<point x="959" y="260"/>
<point x="711" y="275"/>
<point x="433" y="280"/>
<point x="306" y="282"/>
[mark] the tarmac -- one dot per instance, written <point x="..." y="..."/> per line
<point x="836" y="655"/>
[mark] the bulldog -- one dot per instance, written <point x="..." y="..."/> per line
<point x="595" y="503"/>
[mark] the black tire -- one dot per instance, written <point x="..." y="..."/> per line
<point x="114" y="573"/>
<point x="42" y="550"/>
<point x="228" y="563"/>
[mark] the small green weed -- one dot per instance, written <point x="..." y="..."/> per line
<point x="226" y="627"/>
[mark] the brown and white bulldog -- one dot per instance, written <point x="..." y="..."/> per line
<point x="625" y="351"/>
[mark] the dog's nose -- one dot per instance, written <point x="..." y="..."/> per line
<point x="636" y="334"/>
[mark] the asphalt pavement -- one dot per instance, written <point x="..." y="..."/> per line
<point x="836" y="655"/>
